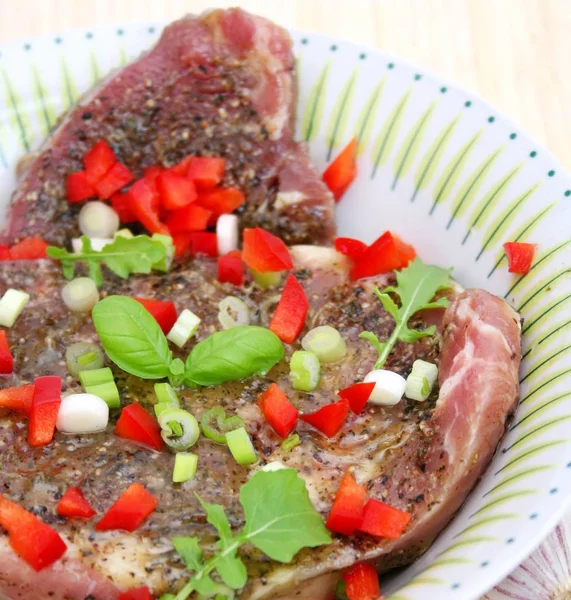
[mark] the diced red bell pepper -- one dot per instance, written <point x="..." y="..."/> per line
<point x="175" y="190"/>
<point x="342" y="171"/>
<point x="182" y="243"/>
<point x="265" y="252"/>
<point x="5" y="253"/>
<point x="362" y="582"/>
<point x="17" y="398"/>
<point x="181" y="167"/>
<point x="73" y="504"/>
<point x="357" y="395"/>
<point x="520" y="256"/>
<point x="31" y="539"/>
<point x="78" y="188"/>
<point x="350" y="247"/>
<point x="29" y="249"/>
<point x="206" y="171"/>
<point x="291" y="311"/>
<point x="387" y="253"/>
<point x="221" y="200"/>
<point x="144" y="204"/>
<point x="44" y="411"/>
<point x="98" y="162"/>
<point x="151" y="175"/>
<point x="6" y="358"/>
<point x="204" y="242"/>
<point x="137" y="425"/>
<point x="133" y="506"/>
<point x="141" y="593"/>
<point x="347" y="510"/>
<point x="164" y="312"/>
<point x="121" y="203"/>
<point x="188" y="218"/>
<point x="231" y="268"/>
<point x="328" y="419"/>
<point x="117" y="177"/>
<point x="278" y="411"/>
<point x="382" y="520"/>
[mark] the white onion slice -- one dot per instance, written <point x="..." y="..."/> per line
<point x="233" y="312"/>
<point x="227" y="233"/>
<point x="80" y="295"/>
<point x="82" y="413"/>
<point x="98" y="220"/>
<point x="389" y="387"/>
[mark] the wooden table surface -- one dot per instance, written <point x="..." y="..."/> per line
<point x="514" y="53"/>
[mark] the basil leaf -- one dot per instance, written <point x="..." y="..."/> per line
<point x="131" y="337"/>
<point x="233" y="354"/>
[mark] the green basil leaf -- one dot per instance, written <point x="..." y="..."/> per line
<point x="233" y="354"/>
<point x="131" y="337"/>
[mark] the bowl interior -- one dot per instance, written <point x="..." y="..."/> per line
<point x="443" y="169"/>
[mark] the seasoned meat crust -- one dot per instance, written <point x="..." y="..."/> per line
<point x="222" y="84"/>
<point x="414" y="455"/>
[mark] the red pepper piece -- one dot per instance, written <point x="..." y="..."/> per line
<point x="386" y="254"/>
<point x="347" y="510"/>
<point x="31" y="539"/>
<point x="98" y="162"/>
<point x="133" y="506"/>
<point x="206" y="171"/>
<point x="382" y="520"/>
<point x="342" y="171"/>
<point x="44" y="410"/>
<point x="362" y="582"/>
<point x="357" y="395"/>
<point x="117" y="177"/>
<point x="121" y="203"/>
<point x="204" y="242"/>
<point x="181" y="167"/>
<point x="291" y="311"/>
<point x="520" y="256"/>
<point x="144" y="204"/>
<point x="151" y="175"/>
<point x="73" y="504"/>
<point x="182" y="243"/>
<point x="137" y="425"/>
<point x="265" y="252"/>
<point x="17" y="398"/>
<point x="278" y="411"/>
<point x="350" y="247"/>
<point x="29" y="249"/>
<point x="5" y="253"/>
<point x="231" y="268"/>
<point x="221" y="200"/>
<point x="142" y="593"/>
<point x="330" y="418"/>
<point x="188" y="218"/>
<point x="78" y="188"/>
<point x="6" y="358"/>
<point x="175" y="190"/>
<point x="164" y="312"/>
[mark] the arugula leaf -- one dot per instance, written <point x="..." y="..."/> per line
<point x="233" y="354"/>
<point x="416" y="286"/>
<point x="131" y="337"/>
<point x="189" y="550"/>
<point x="123" y="256"/>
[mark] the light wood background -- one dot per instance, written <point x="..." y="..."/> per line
<point x="514" y="53"/>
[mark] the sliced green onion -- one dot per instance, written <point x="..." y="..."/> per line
<point x="326" y="342"/>
<point x="165" y="393"/>
<point x="160" y="408"/>
<point x="164" y="264"/>
<point x="273" y="465"/>
<point x="83" y="356"/>
<point x="185" y="326"/>
<point x="233" y="312"/>
<point x="80" y="294"/>
<point x="98" y="220"/>
<point x="126" y="233"/>
<point x="95" y="376"/>
<point x="12" y="304"/>
<point x="175" y="427"/>
<point x="304" y="371"/>
<point x="241" y="447"/>
<point x="188" y="426"/>
<point x="421" y="380"/>
<point x="108" y="391"/>
<point x="290" y="442"/>
<point x="185" y="464"/>
<point x="267" y="280"/>
<point x="215" y="424"/>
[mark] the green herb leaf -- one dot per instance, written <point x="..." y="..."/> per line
<point x="216" y="516"/>
<point x="131" y="337"/>
<point x="123" y="256"/>
<point x="416" y="286"/>
<point x="232" y="571"/>
<point x="233" y="354"/>
<point x="189" y="550"/>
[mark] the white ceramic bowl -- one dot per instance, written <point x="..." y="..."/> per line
<point x="444" y="169"/>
